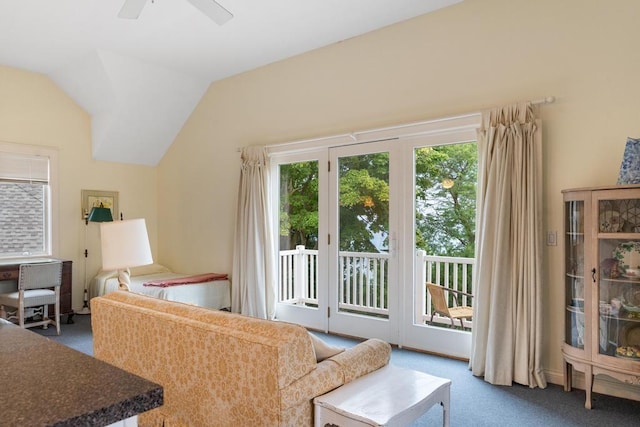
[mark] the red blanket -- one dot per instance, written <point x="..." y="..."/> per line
<point x="198" y="278"/>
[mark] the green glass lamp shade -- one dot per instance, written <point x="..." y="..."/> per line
<point x="100" y="214"/>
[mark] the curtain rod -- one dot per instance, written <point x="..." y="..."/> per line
<point x="542" y="101"/>
<point x="547" y="100"/>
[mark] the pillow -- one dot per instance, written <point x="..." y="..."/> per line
<point x="322" y="349"/>
<point x="145" y="270"/>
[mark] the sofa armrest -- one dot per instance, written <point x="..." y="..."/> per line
<point x="363" y="358"/>
<point x="324" y="378"/>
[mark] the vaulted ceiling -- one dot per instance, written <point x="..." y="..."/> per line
<point x="140" y="79"/>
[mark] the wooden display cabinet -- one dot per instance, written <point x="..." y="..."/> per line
<point x="602" y="286"/>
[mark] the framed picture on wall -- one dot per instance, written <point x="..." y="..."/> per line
<point x="97" y="198"/>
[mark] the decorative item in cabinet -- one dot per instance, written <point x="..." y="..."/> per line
<point x="617" y="216"/>
<point x="631" y="303"/>
<point x="630" y="214"/>
<point x="628" y="256"/>
<point x="609" y="268"/>
<point x="630" y="165"/>
<point x="610" y="221"/>
<point x="629" y="341"/>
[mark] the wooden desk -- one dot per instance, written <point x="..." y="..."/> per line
<point x="9" y="270"/>
<point x="45" y="383"/>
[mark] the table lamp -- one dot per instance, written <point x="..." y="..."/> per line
<point x="125" y="244"/>
<point x="99" y="214"/>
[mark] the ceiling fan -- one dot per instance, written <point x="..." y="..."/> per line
<point x="131" y="9"/>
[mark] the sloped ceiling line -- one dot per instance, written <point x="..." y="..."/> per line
<point x="105" y="63"/>
<point x="137" y="108"/>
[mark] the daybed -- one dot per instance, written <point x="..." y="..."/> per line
<point x="219" y="368"/>
<point x="214" y="294"/>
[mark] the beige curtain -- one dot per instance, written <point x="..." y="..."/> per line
<point x="253" y="289"/>
<point x="506" y="341"/>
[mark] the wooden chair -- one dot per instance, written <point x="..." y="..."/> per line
<point x="441" y="306"/>
<point x="38" y="286"/>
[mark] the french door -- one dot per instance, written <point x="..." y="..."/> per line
<point x="336" y="221"/>
<point x="354" y="227"/>
<point x="300" y="182"/>
<point x="363" y="284"/>
<point x="436" y="209"/>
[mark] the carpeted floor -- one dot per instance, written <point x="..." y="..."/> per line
<point x="473" y="401"/>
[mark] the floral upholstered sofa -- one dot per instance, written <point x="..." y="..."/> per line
<point x="219" y="368"/>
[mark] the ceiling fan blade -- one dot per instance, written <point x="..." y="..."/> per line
<point x="131" y="9"/>
<point x="213" y="10"/>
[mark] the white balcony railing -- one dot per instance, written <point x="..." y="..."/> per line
<point x="299" y="276"/>
<point x="452" y="273"/>
<point x="364" y="281"/>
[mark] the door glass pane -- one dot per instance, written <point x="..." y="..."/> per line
<point x="363" y="200"/>
<point x="445" y="211"/>
<point x="574" y="279"/>
<point x="619" y="284"/>
<point x="298" y="233"/>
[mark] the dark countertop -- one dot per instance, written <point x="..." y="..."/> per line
<point x="44" y="383"/>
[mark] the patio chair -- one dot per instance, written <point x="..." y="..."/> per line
<point x="38" y="286"/>
<point x="441" y="307"/>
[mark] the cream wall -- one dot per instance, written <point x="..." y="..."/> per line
<point x="34" y="111"/>
<point x="475" y="55"/>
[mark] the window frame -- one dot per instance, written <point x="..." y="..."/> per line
<point x="50" y="233"/>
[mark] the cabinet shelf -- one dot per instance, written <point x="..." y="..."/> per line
<point x="619" y="236"/>
<point x="621" y="280"/>
<point x="620" y="319"/>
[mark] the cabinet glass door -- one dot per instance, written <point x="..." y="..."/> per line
<point x="575" y="274"/>
<point x="617" y="307"/>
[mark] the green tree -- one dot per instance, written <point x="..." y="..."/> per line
<point x="299" y="205"/>
<point x="364" y="201"/>
<point x="445" y="217"/>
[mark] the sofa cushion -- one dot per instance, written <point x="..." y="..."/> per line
<point x="322" y="349"/>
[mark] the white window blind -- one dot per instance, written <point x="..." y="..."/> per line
<point x="24" y="168"/>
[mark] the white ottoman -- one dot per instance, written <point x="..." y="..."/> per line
<point x="390" y="396"/>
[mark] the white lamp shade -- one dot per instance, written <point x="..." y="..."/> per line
<point x="125" y="244"/>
